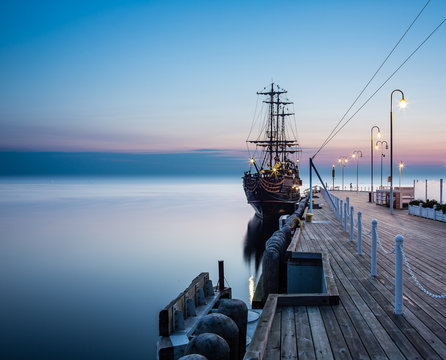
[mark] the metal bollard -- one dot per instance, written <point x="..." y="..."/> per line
<point x="345" y="216"/>
<point x="359" y="233"/>
<point x="352" y="211"/>
<point x="398" y="275"/>
<point x="373" y="260"/>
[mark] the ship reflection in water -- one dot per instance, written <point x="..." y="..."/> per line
<point x="258" y="232"/>
<point x="251" y="288"/>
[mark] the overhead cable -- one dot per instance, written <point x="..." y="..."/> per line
<point x="379" y="88"/>
<point x="371" y="79"/>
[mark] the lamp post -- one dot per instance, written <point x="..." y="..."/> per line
<point x="403" y="104"/>
<point x="401" y="165"/>
<point x="343" y="160"/>
<point x="381" y="143"/>
<point x="333" y="173"/>
<point x="356" y="154"/>
<point x="378" y="135"/>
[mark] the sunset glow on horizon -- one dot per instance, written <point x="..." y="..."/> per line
<point x="166" y="77"/>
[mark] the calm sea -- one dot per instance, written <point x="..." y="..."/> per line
<point x="87" y="263"/>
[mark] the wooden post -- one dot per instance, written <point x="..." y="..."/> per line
<point x="340" y="212"/>
<point x="221" y="275"/>
<point x="345" y="216"/>
<point x="337" y="208"/>
<point x="398" y="275"/>
<point x="373" y="260"/>
<point x="311" y="184"/>
<point x="359" y="233"/>
<point x="351" y="223"/>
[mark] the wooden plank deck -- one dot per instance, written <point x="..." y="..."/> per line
<point x="363" y="325"/>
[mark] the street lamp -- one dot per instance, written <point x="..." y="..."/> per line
<point x="356" y="154"/>
<point x="403" y="104"/>
<point x="381" y="143"/>
<point x="378" y="135"/>
<point x="343" y="160"/>
<point x="401" y="165"/>
<point x="333" y="173"/>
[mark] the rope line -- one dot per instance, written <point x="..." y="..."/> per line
<point x="254" y="120"/>
<point x="435" y="296"/>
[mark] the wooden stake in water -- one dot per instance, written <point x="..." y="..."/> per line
<point x="221" y="275"/>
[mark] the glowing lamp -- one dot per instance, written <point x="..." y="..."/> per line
<point x="379" y="135"/>
<point x="376" y="147"/>
<point x="403" y="103"/>
<point x="252" y="160"/>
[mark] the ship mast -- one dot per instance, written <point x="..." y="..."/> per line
<point x="273" y="133"/>
<point x="271" y="138"/>
<point x="275" y="142"/>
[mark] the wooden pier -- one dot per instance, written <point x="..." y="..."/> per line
<point x="363" y="325"/>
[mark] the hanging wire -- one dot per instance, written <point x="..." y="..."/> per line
<point x="371" y="79"/>
<point x="379" y="88"/>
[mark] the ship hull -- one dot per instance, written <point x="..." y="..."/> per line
<point x="267" y="204"/>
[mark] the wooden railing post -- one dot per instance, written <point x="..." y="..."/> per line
<point x="345" y="216"/>
<point x="359" y="233"/>
<point x="373" y="259"/>
<point x="398" y="275"/>
<point x="352" y="220"/>
<point x="340" y="213"/>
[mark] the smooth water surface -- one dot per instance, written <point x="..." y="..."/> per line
<point x="86" y="264"/>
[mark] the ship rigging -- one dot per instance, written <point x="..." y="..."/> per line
<point x="272" y="184"/>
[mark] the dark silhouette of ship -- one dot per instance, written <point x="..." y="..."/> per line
<point x="272" y="184"/>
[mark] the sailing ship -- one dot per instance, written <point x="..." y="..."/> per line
<point x="272" y="184"/>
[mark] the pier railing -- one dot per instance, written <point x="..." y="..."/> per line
<point x="345" y="214"/>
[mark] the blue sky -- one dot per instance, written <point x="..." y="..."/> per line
<point x="162" y="76"/>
